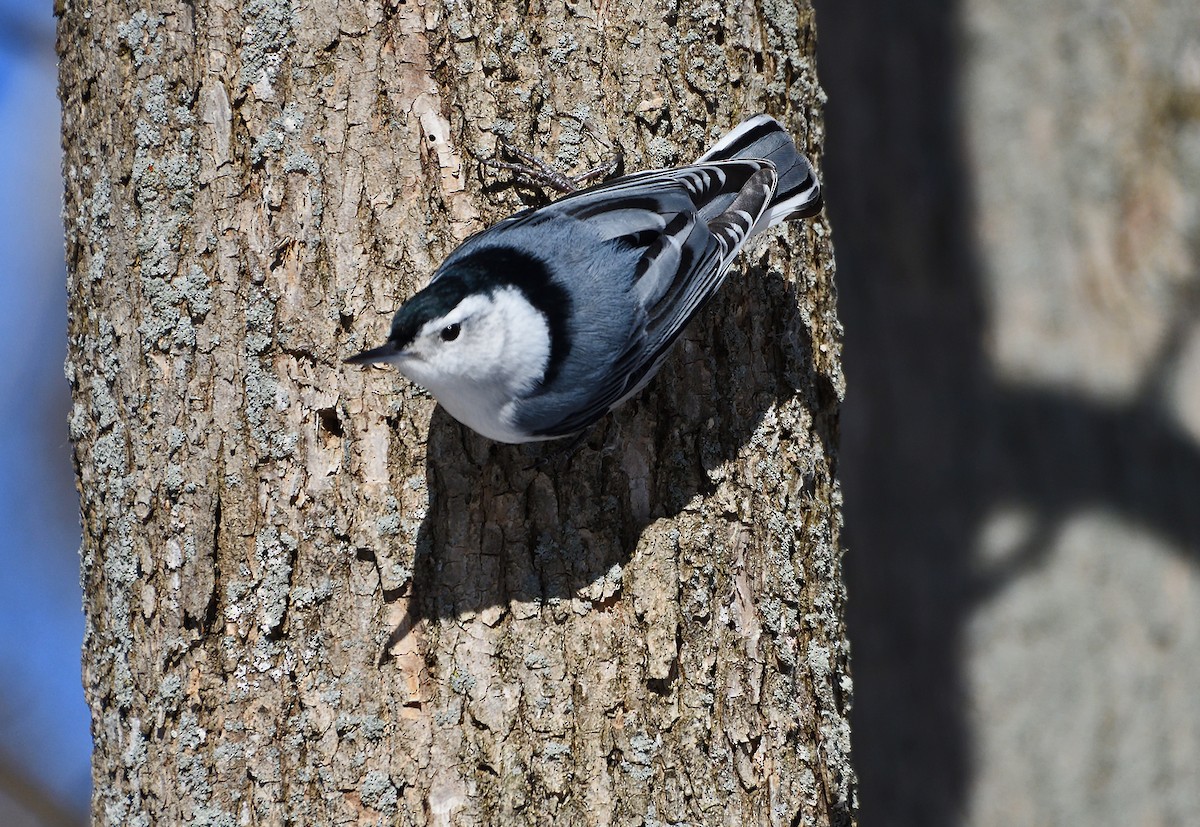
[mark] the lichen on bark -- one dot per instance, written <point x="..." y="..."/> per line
<point x="312" y="597"/>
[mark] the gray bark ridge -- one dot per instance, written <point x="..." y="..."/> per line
<point x="313" y="598"/>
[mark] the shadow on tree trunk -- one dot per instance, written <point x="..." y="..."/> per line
<point x="478" y="550"/>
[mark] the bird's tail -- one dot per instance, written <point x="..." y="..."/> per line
<point x="798" y="193"/>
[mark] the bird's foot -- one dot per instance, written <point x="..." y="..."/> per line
<point x="532" y="171"/>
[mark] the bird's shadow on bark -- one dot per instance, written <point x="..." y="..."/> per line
<point x="500" y="534"/>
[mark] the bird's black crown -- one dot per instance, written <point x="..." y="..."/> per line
<point x="485" y="271"/>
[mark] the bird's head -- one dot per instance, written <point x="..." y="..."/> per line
<point x="459" y="331"/>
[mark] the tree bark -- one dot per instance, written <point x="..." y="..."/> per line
<point x="311" y="597"/>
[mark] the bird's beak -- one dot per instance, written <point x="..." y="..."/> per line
<point x="386" y="352"/>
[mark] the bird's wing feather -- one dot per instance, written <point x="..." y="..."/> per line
<point x="686" y="251"/>
<point x="798" y="193"/>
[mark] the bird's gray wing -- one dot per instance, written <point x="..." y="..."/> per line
<point x="683" y="258"/>
<point x="709" y="186"/>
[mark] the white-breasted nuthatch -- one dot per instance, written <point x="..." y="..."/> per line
<point x="538" y="326"/>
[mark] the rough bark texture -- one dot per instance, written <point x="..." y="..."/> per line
<point x="311" y="597"/>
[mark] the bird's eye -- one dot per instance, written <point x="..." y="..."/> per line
<point x="450" y="332"/>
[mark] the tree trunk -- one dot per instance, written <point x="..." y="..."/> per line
<point x="313" y="598"/>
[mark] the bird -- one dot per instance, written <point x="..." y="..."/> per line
<point x="536" y="327"/>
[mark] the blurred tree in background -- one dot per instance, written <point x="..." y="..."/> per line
<point x="1015" y="194"/>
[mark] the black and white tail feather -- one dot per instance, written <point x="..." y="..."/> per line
<point x="797" y="194"/>
<point x="610" y="275"/>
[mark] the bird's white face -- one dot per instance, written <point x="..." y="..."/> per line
<point x="457" y="344"/>
<point x="480" y="357"/>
